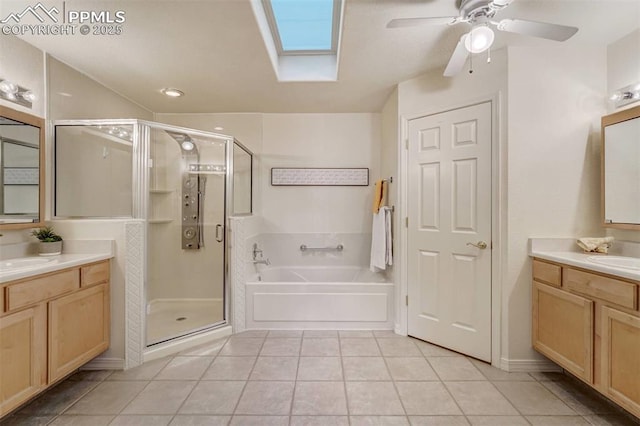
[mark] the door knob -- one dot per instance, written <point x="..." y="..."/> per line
<point x="480" y="244"/>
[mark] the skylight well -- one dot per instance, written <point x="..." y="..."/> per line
<point x="301" y="36"/>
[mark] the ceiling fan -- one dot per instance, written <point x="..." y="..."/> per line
<point x="480" y="14"/>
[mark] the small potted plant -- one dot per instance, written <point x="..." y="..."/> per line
<point x="50" y="242"/>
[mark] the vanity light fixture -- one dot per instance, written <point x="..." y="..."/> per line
<point x="11" y="92"/>
<point x="172" y="93"/>
<point x="626" y="95"/>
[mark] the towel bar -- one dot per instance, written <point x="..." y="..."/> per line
<point x="339" y="247"/>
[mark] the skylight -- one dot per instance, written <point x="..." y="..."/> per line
<point x="303" y="27"/>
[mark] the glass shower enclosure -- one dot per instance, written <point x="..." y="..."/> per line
<point x="181" y="183"/>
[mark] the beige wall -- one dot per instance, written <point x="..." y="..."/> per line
<point x="303" y="140"/>
<point x="319" y="140"/>
<point x="623" y="69"/>
<point x="73" y="95"/>
<point x="554" y="109"/>
<point x="389" y="168"/>
<point x="23" y="64"/>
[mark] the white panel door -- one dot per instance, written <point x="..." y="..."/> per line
<point x="449" y="200"/>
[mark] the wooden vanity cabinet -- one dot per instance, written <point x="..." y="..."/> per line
<point x="50" y="325"/>
<point x="563" y="329"/>
<point x="589" y="323"/>
<point x="620" y="352"/>
<point x="23" y="359"/>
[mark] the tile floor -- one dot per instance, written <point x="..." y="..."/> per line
<point x="323" y="378"/>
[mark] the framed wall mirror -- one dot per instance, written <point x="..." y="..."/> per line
<point x="620" y="170"/>
<point x="21" y="170"/>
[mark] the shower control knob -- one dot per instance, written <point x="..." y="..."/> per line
<point x="189" y="233"/>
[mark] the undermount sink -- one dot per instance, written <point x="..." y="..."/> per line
<point x="11" y="265"/>
<point x="617" y="261"/>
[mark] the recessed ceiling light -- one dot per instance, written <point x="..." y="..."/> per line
<point x="171" y="92"/>
<point x="218" y="128"/>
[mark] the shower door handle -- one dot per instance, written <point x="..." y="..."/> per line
<point x="219" y="235"/>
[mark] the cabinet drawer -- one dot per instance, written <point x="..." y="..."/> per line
<point x="43" y="288"/>
<point x="547" y="272"/>
<point x="620" y="292"/>
<point x="94" y="274"/>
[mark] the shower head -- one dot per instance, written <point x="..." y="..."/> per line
<point x="186" y="143"/>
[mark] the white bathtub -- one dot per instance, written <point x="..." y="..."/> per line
<point x="344" y="297"/>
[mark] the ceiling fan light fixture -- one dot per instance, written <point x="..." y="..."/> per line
<point x="479" y="39"/>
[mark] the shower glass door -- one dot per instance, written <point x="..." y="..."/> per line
<point x="185" y="288"/>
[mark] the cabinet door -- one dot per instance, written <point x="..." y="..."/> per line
<point x="78" y="329"/>
<point x="621" y="358"/>
<point x="23" y="356"/>
<point x="563" y="329"/>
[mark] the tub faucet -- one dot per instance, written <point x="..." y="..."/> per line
<point x="256" y="252"/>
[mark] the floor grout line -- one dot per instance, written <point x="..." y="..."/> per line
<point x="570" y="396"/>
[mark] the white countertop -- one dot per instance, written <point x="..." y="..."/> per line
<point x="92" y="251"/>
<point x="544" y="248"/>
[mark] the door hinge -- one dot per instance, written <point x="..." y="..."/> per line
<point x="406" y="300"/>
<point x="406" y="222"/>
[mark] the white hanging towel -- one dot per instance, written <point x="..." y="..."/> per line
<point x="381" y="242"/>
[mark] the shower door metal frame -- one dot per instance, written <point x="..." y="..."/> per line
<point x="141" y="142"/>
<point x="143" y="198"/>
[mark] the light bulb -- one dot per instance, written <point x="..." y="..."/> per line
<point x="187" y="145"/>
<point x="8" y="87"/>
<point x="479" y="39"/>
<point x="28" y="96"/>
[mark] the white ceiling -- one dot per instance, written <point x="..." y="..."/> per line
<point x="213" y="50"/>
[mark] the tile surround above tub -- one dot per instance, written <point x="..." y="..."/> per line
<point x="284" y="249"/>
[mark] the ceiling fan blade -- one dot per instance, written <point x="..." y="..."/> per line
<point x="502" y="3"/>
<point x="413" y="22"/>
<point x="458" y="59"/>
<point x="537" y="29"/>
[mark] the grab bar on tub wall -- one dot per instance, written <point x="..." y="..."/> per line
<point x="339" y="247"/>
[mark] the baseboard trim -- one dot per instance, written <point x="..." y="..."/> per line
<point x="528" y="365"/>
<point x="104" y="364"/>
